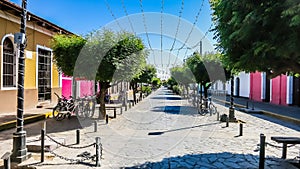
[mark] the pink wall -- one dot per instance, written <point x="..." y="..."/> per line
<point x="86" y="88"/>
<point x="255" y="86"/>
<point x="66" y="86"/>
<point x="279" y="85"/>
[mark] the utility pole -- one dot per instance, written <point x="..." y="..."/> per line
<point x="200" y="50"/>
<point x="19" y="152"/>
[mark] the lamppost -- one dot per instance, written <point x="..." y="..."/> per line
<point x="231" y="108"/>
<point x="19" y="152"/>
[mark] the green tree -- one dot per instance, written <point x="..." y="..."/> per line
<point x="206" y="69"/>
<point x="183" y="76"/>
<point x="66" y="49"/>
<point x="258" y="35"/>
<point x="156" y="82"/>
<point x="105" y="57"/>
<point x="145" y="75"/>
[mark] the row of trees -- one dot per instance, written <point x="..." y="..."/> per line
<point x="203" y="70"/>
<point x="103" y="56"/>
<point x="251" y="36"/>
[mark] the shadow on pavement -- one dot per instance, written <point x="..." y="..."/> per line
<point x="184" y="128"/>
<point x="52" y="126"/>
<point x="167" y="98"/>
<point x="212" y="160"/>
<point x="182" y="110"/>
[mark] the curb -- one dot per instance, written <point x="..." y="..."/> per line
<point x="27" y="120"/>
<point x="268" y="113"/>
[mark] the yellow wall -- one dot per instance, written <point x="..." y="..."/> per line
<point x="36" y="35"/>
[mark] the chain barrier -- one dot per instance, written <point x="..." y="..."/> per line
<point x="85" y="157"/>
<point x="68" y="146"/>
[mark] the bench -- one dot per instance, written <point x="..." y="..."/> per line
<point x="285" y="141"/>
<point x="113" y="107"/>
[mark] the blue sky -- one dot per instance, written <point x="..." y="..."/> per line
<point x="84" y="16"/>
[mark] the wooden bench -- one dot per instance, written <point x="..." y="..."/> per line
<point x="285" y="141"/>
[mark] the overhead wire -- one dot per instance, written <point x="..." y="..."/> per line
<point x="161" y="31"/>
<point x="192" y="29"/>
<point x="126" y="13"/>
<point x="177" y="30"/>
<point x="112" y="14"/>
<point x="146" y="31"/>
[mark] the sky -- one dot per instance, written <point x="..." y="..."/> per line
<point x="184" y="22"/>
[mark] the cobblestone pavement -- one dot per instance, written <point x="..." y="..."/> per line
<point x="164" y="131"/>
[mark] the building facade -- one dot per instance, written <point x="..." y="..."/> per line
<point x="42" y="77"/>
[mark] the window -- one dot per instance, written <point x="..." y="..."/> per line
<point x="44" y="74"/>
<point x="9" y="64"/>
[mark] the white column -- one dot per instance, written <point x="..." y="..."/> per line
<point x="289" y="90"/>
<point x="263" y="85"/>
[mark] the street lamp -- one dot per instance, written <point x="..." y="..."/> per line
<point x="231" y="108"/>
<point x="19" y="152"/>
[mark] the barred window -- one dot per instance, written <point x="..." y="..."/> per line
<point x="44" y="74"/>
<point x="9" y="64"/>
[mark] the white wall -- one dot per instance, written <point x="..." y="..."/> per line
<point x="244" y="84"/>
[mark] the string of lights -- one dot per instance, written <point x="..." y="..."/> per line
<point x="112" y="14"/>
<point x="146" y="30"/>
<point x="126" y="13"/>
<point x="177" y="30"/>
<point x="161" y="31"/>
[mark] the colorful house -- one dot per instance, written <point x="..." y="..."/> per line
<point x="42" y="78"/>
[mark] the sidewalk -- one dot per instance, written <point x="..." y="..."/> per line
<point x="8" y="120"/>
<point x="287" y="113"/>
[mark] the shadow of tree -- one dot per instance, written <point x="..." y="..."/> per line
<point x="52" y="126"/>
<point x="212" y="160"/>
<point x="182" y="110"/>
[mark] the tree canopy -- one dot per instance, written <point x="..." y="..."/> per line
<point x="103" y="56"/>
<point x="207" y="69"/>
<point x="258" y="35"/>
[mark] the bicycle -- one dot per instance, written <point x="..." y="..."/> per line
<point x="85" y="107"/>
<point x="63" y="108"/>
<point x="206" y="106"/>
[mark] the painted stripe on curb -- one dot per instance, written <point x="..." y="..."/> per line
<point x="27" y="120"/>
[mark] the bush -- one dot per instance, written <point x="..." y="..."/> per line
<point x="146" y="89"/>
<point x="177" y="89"/>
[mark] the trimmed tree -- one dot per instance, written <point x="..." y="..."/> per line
<point x="258" y="35"/>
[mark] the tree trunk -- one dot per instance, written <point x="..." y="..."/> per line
<point x="134" y="92"/>
<point x="103" y="89"/>
<point x="141" y="92"/>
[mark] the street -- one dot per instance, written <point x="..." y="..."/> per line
<point x="163" y="131"/>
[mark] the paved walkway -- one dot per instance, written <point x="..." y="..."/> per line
<point x="164" y="131"/>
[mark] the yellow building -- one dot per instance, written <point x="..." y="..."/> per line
<point x="42" y="78"/>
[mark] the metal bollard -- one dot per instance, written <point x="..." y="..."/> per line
<point x="247" y="105"/>
<point x="77" y="136"/>
<point x="98" y="152"/>
<point x="42" y="145"/>
<point x="262" y="151"/>
<point x="6" y="159"/>
<point x="227" y="121"/>
<point x="95" y="126"/>
<point x="241" y="129"/>
<point x="218" y="116"/>
<point x="106" y="119"/>
<point x="115" y="112"/>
